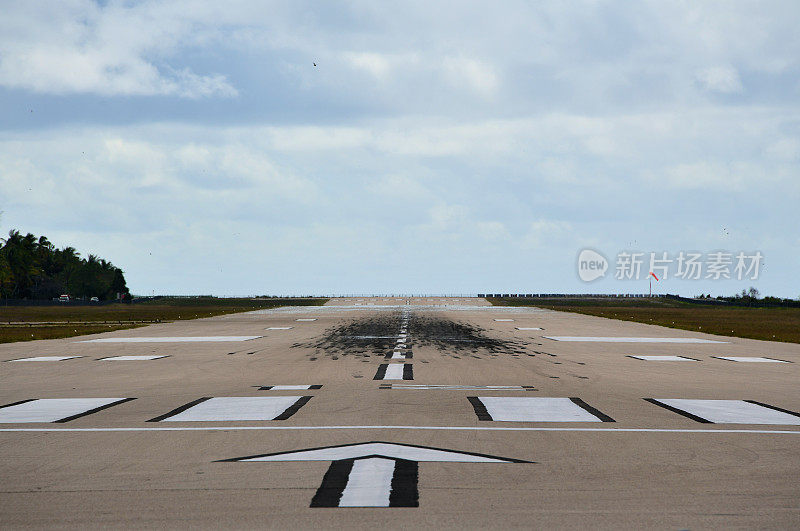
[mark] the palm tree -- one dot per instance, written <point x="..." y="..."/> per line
<point x="34" y="267"/>
<point x="6" y="276"/>
<point x="20" y="256"/>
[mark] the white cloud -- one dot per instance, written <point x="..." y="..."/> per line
<point x="446" y="130"/>
<point x="80" y="47"/>
<point x="123" y="179"/>
<point x="784" y="149"/>
<point x="492" y="231"/>
<point x="445" y="216"/>
<point x="186" y="83"/>
<point x="399" y="187"/>
<point x="141" y="162"/>
<point x="701" y="174"/>
<point x="556" y="169"/>
<point x="427" y="57"/>
<point x="261" y="195"/>
<point x="478" y="75"/>
<point x="377" y="65"/>
<point x="305" y="138"/>
<point x="545" y="230"/>
<point x="722" y="177"/>
<point x="723" y="79"/>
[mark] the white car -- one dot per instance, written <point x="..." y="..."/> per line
<point x="94" y="299"/>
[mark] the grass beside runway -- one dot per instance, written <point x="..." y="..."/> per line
<point x="28" y="323"/>
<point x="770" y="324"/>
<point x="12" y="334"/>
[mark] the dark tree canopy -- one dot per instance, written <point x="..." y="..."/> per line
<point x="32" y="268"/>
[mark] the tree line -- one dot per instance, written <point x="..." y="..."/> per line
<point x="33" y="268"/>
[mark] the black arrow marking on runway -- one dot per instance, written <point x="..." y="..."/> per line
<point x="373" y="474"/>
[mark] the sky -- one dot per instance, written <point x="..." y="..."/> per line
<point x="289" y="148"/>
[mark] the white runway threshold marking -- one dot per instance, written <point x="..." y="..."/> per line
<point x="133" y="358"/>
<point x="747" y="359"/>
<point x="593" y="339"/>
<point x="662" y="358"/>
<point x="535" y="409"/>
<point x="228" y="408"/>
<point x="728" y="411"/>
<point x="306" y="320"/>
<point x="529" y="328"/>
<point x="55" y="409"/>
<point x="279" y="328"/>
<point x="504" y="320"/>
<point x="192" y="339"/>
<point x="48" y="358"/>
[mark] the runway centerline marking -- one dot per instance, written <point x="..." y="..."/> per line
<point x="371" y="337"/>
<point x="288" y="387"/>
<point x="279" y="328"/>
<point x="394" y="371"/>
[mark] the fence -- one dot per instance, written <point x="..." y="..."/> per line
<point x="574" y="295"/>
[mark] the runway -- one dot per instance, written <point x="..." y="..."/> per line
<point x="400" y="412"/>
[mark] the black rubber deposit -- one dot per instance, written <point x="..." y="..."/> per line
<point x="376" y="335"/>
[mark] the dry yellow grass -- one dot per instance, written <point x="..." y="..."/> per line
<point x="27" y="323"/>
<point x="771" y="324"/>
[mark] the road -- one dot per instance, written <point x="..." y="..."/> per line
<point x="390" y="412"/>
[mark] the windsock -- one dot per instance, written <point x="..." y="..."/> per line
<point x="654" y="276"/>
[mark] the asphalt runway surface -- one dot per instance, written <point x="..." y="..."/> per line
<point x="400" y="413"/>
